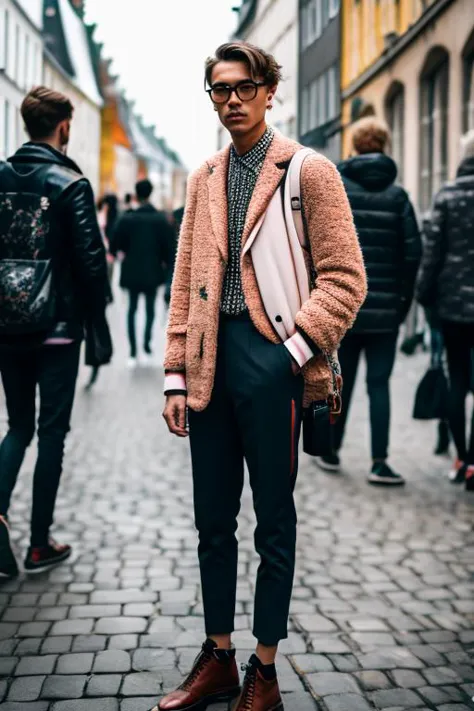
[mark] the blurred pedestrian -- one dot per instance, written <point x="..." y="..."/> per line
<point x="446" y="285"/>
<point x="241" y="382"/>
<point x="50" y="245"/>
<point x="391" y="245"/>
<point x="146" y="239"/>
<point x="128" y="203"/>
<point x="177" y="220"/>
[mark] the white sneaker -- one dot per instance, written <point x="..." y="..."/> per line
<point x="132" y="363"/>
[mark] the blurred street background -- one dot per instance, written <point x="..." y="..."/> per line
<point x="383" y="609"/>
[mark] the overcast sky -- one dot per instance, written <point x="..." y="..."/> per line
<point x="158" y="48"/>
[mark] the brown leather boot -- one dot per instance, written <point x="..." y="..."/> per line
<point x="214" y="677"/>
<point x="258" y="693"/>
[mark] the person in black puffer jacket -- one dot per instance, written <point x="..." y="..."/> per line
<point x="391" y="245"/>
<point x="446" y="285"/>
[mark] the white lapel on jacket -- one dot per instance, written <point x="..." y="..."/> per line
<point x="271" y="174"/>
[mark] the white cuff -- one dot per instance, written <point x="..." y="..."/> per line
<point x="175" y="381"/>
<point x="299" y="349"/>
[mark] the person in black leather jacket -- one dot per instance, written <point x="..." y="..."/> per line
<point x="73" y="243"/>
<point x="391" y="245"/>
<point x="446" y="286"/>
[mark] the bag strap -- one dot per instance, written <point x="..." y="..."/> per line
<point x="294" y="179"/>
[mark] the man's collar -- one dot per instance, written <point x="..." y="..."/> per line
<point x="254" y="157"/>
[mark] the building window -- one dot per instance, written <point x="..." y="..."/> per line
<point x="334" y="7"/>
<point x="468" y="84"/>
<point x="6" y="129"/>
<point x="355" y="54"/>
<point x="305" y="111"/>
<point x="320" y="100"/>
<point x="26" y="70"/>
<point x="315" y="16"/>
<point x="434" y="125"/>
<point x="16" y="68"/>
<point x="6" y="41"/>
<point x="395" y="108"/>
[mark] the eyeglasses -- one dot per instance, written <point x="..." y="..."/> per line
<point x="245" y="90"/>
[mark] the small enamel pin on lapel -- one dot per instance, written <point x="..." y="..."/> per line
<point x="211" y="169"/>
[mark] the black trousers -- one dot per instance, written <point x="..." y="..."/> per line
<point x="459" y="342"/>
<point x="254" y="414"/>
<point x="380" y="351"/>
<point x="150" y="299"/>
<point x="54" y="369"/>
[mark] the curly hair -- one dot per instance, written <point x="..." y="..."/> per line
<point x="370" y="135"/>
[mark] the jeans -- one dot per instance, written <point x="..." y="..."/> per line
<point x="380" y="350"/>
<point x="254" y="414"/>
<point x="54" y="369"/>
<point x="459" y="342"/>
<point x="150" y="299"/>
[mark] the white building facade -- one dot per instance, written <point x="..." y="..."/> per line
<point x="84" y="146"/>
<point x="273" y="25"/>
<point x="71" y="72"/>
<point x="21" y="66"/>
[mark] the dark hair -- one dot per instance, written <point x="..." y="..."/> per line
<point x="143" y="189"/>
<point x="43" y="110"/>
<point x="262" y="65"/>
<point x="128" y="198"/>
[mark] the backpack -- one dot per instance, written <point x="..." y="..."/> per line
<point x="27" y="297"/>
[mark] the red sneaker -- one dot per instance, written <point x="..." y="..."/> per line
<point x="39" y="559"/>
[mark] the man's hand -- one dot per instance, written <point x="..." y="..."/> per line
<point x="175" y="415"/>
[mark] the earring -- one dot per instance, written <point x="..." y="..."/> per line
<point x="270" y="107"/>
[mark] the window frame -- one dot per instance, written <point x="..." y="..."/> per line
<point x="434" y="129"/>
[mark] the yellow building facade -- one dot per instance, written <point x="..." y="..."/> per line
<point x="411" y="62"/>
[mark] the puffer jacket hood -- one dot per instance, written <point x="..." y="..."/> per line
<point x="466" y="168"/>
<point x="374" y="171"/>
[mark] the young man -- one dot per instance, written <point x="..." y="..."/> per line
<point x="47" y="213"/>
<point x="391" y="244"/>
<point x="147" y="239"/>
<point x="242" y="385"/>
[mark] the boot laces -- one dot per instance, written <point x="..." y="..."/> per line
<point x="248" y="692"/>
<point x="199" y="664"/>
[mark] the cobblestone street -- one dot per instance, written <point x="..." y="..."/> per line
<point x="383" y="608"/>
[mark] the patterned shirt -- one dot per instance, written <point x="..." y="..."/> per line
<point x="241" y="180"/>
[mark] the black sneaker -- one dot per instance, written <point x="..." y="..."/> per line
<point x="457" y="475"/>
<point x="39" y="559"/>
<point x="329" y="463"/>
<point x="382" y="475"/>
<point x="8" y="564"/>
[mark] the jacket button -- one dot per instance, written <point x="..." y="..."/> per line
<point x="278" y="318"/>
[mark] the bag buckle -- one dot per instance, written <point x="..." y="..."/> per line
<point x="295" y="203"/>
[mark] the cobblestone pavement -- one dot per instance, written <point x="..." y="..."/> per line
<point x="383" y="608"/>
